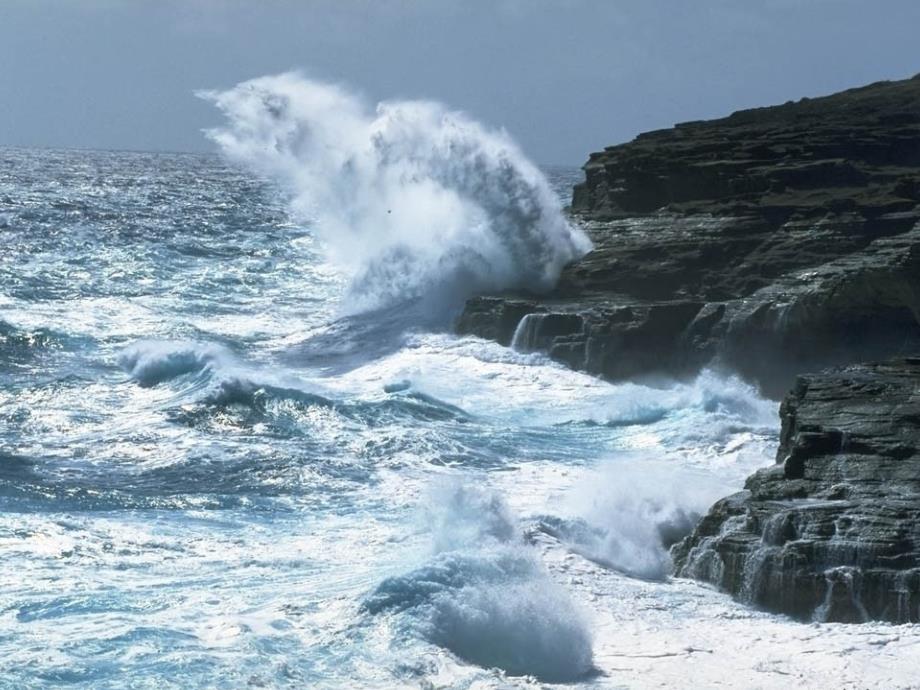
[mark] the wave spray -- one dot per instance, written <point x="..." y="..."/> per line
<point x="414" y="201"/>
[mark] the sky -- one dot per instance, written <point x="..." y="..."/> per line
<point x="563" y="77"/>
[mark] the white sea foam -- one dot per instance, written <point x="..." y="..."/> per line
<point x="485" y="596"/>
<point x="626" y="514"/>
<point x="412" y="199"/>
<point x="488" y="379"/>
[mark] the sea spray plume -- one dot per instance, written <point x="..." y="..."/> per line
<point x="626" y="514"/>
<point x="484" y="595"/>
<point x="460" y="515"/>
<point x="413" y="200"/>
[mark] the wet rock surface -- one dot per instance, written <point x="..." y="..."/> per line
<point x="772" y="242"/>
<point x="832" y="531"/>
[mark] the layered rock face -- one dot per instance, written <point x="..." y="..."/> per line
<point x="772" y="242"/>
<point x="775" y="241"/>
<point x="832" y="531"/>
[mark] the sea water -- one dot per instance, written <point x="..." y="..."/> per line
<point x="241" y="447"/>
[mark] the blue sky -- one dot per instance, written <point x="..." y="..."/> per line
<point x="565" y="77"/>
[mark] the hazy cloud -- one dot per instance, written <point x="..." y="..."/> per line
<point x="564" y="77"/>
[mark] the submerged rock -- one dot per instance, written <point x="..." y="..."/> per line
<point x="832" y="531"/>
<point x="775" y="241"/>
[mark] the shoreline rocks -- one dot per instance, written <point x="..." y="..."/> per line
<point x="773" y="242"/>
<point x="831" y="532"/>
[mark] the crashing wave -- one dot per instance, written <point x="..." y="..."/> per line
<point x="484" y="595"/>
<point x="151" y="362"/>
<point x="414" y="201"/>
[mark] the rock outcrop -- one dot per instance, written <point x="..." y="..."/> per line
<point x="832" y="531"/>
<point x="773" y="242"/>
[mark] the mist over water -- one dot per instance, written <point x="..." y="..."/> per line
<point x="411" y="199"/>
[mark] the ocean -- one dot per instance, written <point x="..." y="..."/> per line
<point x="240" y="445"/>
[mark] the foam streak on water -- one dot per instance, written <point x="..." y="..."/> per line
<point x="215" y="473"/>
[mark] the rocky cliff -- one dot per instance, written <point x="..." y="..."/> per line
<point x="832" y="531"/>
<point x="772" y="242"/>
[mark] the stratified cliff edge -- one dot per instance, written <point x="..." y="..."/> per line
<point x="832" y="531"/>
<point x="772" y="242"/>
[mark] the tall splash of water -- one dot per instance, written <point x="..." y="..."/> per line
<point x="413" y="200"/>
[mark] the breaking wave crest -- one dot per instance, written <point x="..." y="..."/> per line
<point x="151" y="362"/>
<point x="413" y="200"/>
<point x="484" y="595"/>
<point x="209" y="380"/>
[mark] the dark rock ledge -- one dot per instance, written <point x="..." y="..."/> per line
<point x="773" y="242"/>
<point x="832" y="531"/>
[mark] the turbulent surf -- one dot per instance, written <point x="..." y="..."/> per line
<point x="240" y="446"/>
